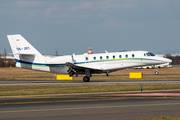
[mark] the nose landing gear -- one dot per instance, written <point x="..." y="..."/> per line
<point x="156" y="73"/>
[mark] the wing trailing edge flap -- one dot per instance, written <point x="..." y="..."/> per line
<point x="80" y="69"/>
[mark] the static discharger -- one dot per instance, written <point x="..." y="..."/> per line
<point x="63" y="77"/>
<point x="135" y="75"/>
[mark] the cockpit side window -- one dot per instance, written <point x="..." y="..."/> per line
<point x="150" y="54"/>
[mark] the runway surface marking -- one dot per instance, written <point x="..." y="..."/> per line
<point x="81" y="99"/>
<point x="40" y="110"/>
<point x="92" y="99"/>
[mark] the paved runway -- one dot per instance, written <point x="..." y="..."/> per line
<point x="15" y="83"/>
<point x="104" y="106"/>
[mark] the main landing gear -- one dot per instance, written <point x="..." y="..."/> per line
<point x="88" y="75"/>
<point x="86" y="79"/>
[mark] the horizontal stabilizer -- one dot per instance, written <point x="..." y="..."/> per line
<point x="25" y="53"/>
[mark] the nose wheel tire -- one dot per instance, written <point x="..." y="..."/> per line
<point x="156" y="73"/>
<point x="86" y="79"/>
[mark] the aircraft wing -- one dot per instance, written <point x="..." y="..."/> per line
<point x="80" y="70"/>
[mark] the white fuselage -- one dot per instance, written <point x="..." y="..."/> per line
<point x="106" y="62"/>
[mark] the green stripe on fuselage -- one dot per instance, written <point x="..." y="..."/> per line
<point x="103" y="60"/>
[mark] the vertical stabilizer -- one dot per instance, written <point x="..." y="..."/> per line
<point x="23" y="51"/>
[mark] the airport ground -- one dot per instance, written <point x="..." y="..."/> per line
<point x="105" y="105"/>
<point x="148" y="74"/>
<point x="99" y="106"/>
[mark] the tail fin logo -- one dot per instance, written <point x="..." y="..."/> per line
<point x="24" y="48"/>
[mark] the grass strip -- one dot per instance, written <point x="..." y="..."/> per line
<point x="148" y="74"/>
<point x="162" y="118"/>
<point x="65" y="89"/>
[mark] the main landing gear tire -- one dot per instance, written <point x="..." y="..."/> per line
<point x="86" y="79"/>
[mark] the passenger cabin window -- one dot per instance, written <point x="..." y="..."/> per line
<point x="113" y="56"/>
<point x="86" y="58"/>
<point x="107" y="57"/>
<point x="100" y="57"/>
<point x="132" y="55"/>
<point x="94" y="58"/>
<point x="126" y="56"/>
<point x="119" y="56"/>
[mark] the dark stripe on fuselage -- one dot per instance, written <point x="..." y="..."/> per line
<point x="44" y="64"/>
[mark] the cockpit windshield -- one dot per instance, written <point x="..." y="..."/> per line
<point x="150" y="54"/>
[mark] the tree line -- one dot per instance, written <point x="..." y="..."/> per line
<point x="6" y="62"/>
<point x="175" y="59"/>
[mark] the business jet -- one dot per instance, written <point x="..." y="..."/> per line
<point x="28" y="57"/>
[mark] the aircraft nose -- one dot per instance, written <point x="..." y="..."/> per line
<point x="167" y="60"/>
